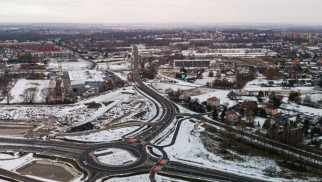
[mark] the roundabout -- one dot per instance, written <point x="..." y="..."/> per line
<point x="114" y="157"/>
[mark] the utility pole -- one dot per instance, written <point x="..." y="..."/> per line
<point x="60" y="67"/>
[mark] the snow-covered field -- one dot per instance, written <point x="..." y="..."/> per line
<point x="24" y="84"/>
<point x="259" y="120"/>
<point x="112" y="66"/>
<point x="179" y="82"/>
<point x="104" y="136"/>
<point x="14" y="164"/>
<point x="161" y="87"/>
<point x="255" y="85"/>
<point x="117" y="157"/>
<point x="302" y="109"/>
<point x="123" y="75"/>
<point x="119" y="106"/>
<point x="115" y="67"/>
<point x="205" y="78"/>
<point x="74" y="113"/>
<point x="4" y="156"/>
<point x="102" y="66"/>
<point x="221" y="94"/>
<point x="127" y="104"/>
<point x="131" y="110"/>
<point x="189" y="148"/>
<point x="70" y="66"/>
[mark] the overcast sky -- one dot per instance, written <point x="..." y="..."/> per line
<point x="162" y="11"/>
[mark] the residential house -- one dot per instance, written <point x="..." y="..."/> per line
<point x="213" y="101"/>
<point x="271" y="110"/>
<point x="272" y="96"/>
<point x="232" y="116"/>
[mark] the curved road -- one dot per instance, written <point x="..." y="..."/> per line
<point x="82" y="152"/>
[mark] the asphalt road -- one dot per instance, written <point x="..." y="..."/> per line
<point x="81" y="152"/>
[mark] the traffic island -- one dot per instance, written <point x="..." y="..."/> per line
<point x="114" y="157"/>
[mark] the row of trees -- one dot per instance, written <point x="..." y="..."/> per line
<point x="55" y="95"/>
<point x="5" y="80"/>
<point x="271" y="73"/>
<point x="150" y="71"/>
<point x="287" y="133"/>
<point x="109" y="85"/>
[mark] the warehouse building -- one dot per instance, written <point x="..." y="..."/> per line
<point x="191" y="63"/>
<point x="80" y="79"/>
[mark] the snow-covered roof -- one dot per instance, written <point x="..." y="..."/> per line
<point x="214" y="99"/>
<point x="88" y="76"/>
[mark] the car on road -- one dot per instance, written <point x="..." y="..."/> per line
<point x="85" y="163"/>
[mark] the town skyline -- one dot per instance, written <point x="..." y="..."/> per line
<point x="166" y="11"/>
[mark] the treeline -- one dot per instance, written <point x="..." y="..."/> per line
<point x="149" y="71"/>
<point x="56" y="95"/>
<point x="240" y="82"/>
<point x="287" y="133"/>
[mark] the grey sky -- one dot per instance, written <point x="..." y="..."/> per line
<point x="162" y="11"/>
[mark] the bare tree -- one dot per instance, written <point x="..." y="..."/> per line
<point x="68" y="95"/>
<point x="109" y="85"/>
<point x="58" y="91"/>
<point x="5" y="92"/>
<point x="211" y="74"/>
<point x="29" y="95"/>
<point x="46" y="93"/>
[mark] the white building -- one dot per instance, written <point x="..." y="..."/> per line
<point x="65" y="54"/>
<point x="213" y="101"/>
<point x="79" y="79"/>
<point x="240" y="52"/>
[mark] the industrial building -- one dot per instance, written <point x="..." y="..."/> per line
<point x="191" y="63"/>
<point x="79" y="79"/>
